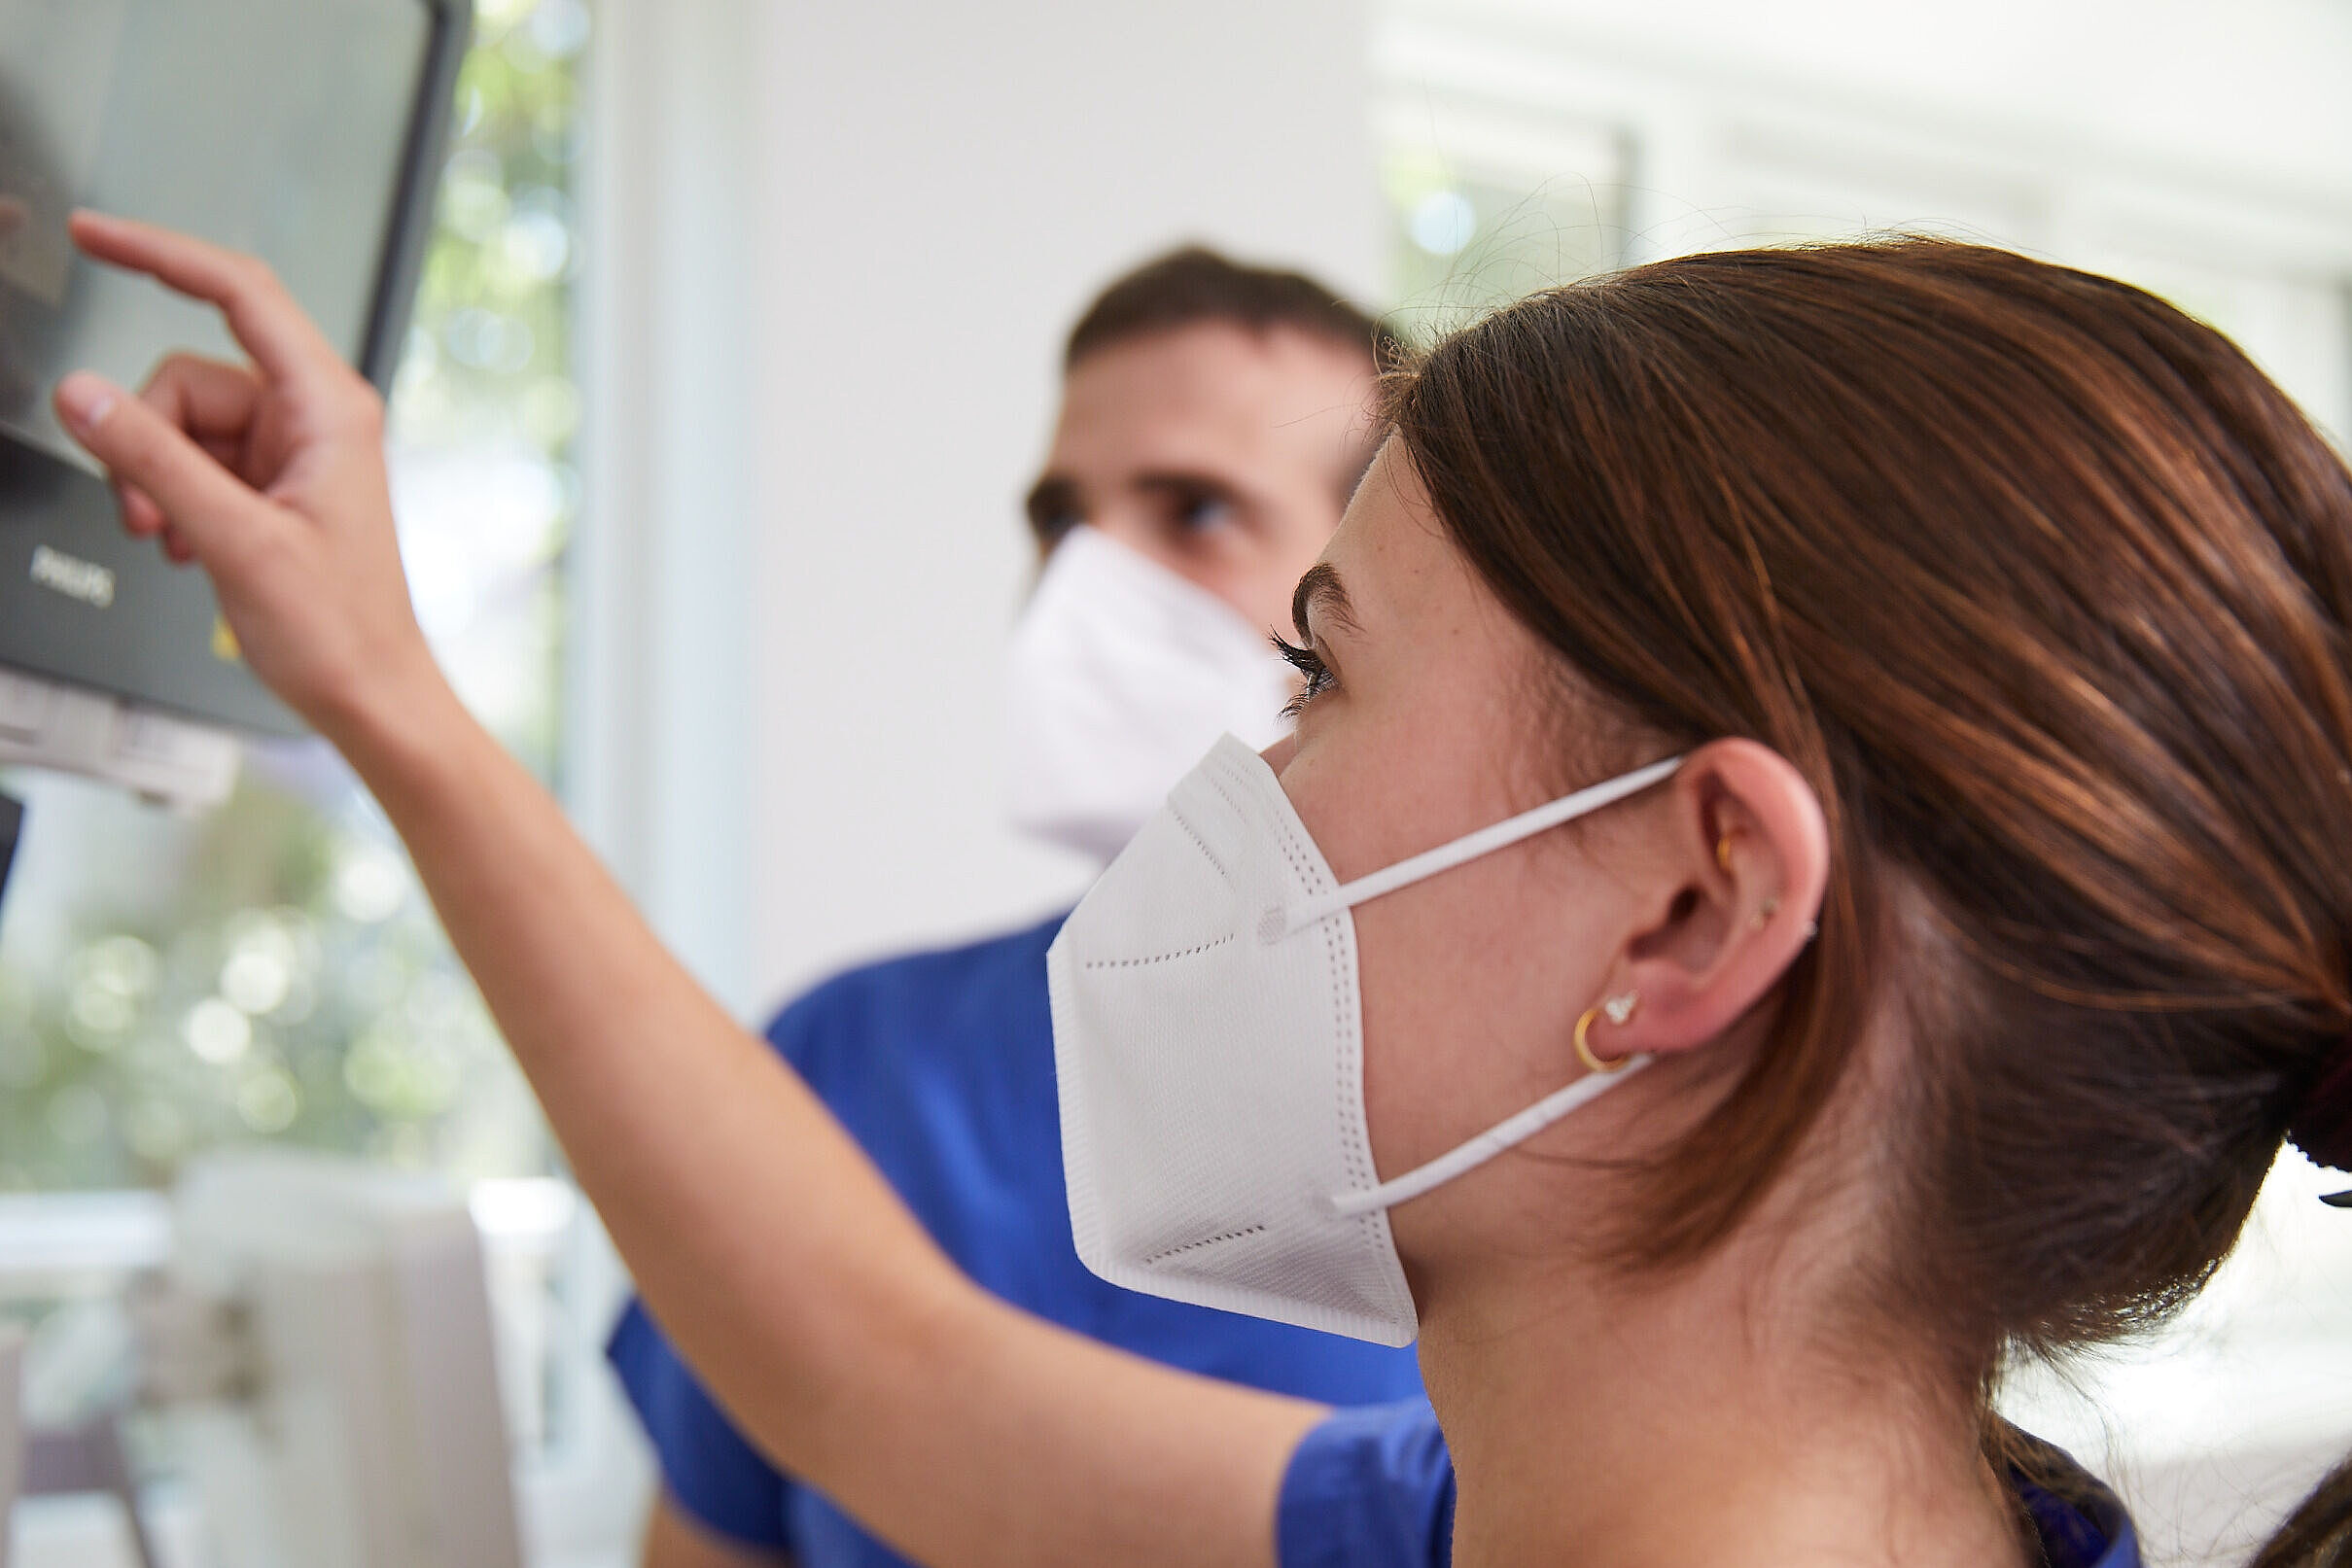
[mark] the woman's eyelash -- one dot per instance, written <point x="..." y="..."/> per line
<point x="1314" y="675"/>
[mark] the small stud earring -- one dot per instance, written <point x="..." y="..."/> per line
<point x="1764" y="915"/>
<point x="1617" y="1009"/>
<point x="1723" y="854"/>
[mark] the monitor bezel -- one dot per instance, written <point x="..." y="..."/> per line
<point x="414" y="192"/>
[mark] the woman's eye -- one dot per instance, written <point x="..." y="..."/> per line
<point x="1314" y="675"/>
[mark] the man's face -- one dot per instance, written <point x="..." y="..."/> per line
<point x="1224" y="454"/>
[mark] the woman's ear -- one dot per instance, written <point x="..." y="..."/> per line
<point x="1737" y="862"/>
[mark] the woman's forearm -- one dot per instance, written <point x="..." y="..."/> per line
<point x="675" y="1120"/>
<point x="838" y="1335"/>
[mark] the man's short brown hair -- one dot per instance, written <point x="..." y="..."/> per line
<point x="1194" y="284"/>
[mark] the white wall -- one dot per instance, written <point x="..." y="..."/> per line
<point x="946" y="186"/>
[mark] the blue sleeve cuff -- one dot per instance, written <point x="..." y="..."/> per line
<point x="1371" y="1488"/>
<point x="706" y="1465"/>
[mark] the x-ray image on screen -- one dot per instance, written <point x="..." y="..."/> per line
<point x="275" y="126"/>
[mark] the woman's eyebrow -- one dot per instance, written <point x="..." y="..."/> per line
<point x="1321" y="589"/>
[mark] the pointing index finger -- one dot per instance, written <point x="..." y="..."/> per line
<point x="262" y="315"/>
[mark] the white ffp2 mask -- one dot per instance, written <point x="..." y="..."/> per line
<point x="1120" y="674"/>
<point x="1209" y="1045"/>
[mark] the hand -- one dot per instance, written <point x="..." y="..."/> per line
<point x="271" y="475"/>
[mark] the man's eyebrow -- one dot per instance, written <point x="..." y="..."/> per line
<point x="1183" y="484"/>
<point x="1321" y="589"/>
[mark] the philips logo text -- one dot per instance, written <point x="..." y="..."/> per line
<point x="73" y="577"/>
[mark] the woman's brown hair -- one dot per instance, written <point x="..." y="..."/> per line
<point x="2046" y="589"/>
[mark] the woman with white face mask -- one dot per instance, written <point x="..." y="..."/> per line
<point x="1838" y="758"/>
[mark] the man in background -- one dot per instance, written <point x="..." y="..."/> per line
<point x="1214" y="422"/>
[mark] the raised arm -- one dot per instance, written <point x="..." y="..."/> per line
<point x="840" y="1339"/>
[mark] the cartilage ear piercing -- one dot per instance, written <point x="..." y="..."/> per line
<point x="1764" y="915"/>
<point x="1723" y="854"/>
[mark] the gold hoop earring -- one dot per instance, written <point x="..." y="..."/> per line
<point x="1619" y="1008"/>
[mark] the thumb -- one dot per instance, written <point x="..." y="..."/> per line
<point x="209" y="507"/>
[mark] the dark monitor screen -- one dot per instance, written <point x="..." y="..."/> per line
<point x="306" y="131"/>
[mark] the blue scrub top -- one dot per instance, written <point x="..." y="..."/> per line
<point x="941" y="1067"/>
<point x="1374" y="1488"/>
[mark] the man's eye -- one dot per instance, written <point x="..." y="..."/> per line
<point x="1314" y="675"/>
<point x="1200" y="514"/>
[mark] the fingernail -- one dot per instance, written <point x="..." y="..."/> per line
<point x="86" y="399"/>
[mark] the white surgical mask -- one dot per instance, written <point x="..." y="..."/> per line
<point x="1210" y="1049"/>
<point x="1121" y="674"/>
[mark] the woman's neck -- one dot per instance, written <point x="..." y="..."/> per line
<point x="1679" y="1425"/>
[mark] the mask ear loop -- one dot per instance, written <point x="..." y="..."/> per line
<point x="1287" y="920"/>
<point x="1503" y="1135"/>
